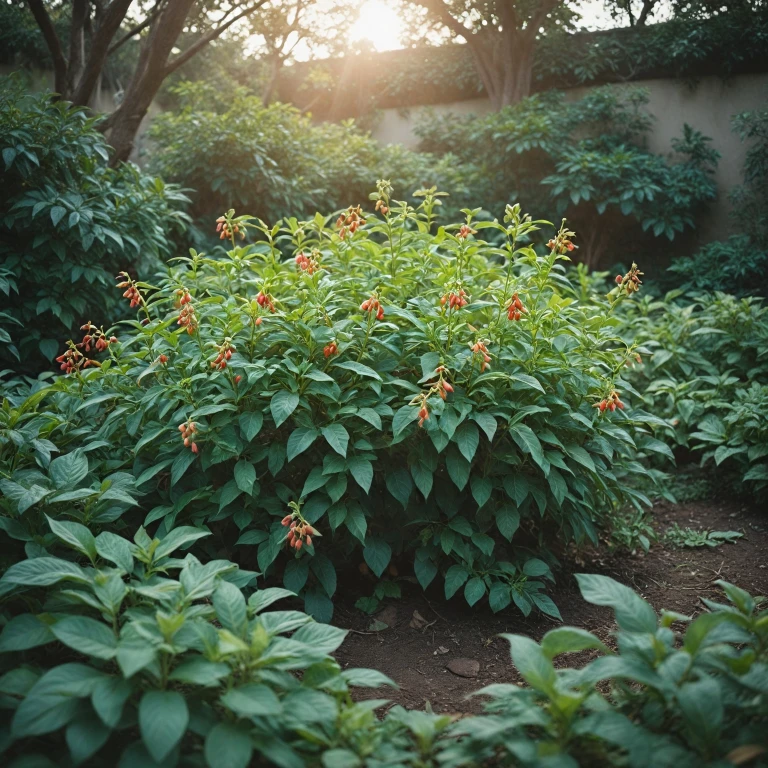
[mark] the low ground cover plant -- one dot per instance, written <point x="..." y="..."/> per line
<point x="393" y="394"/>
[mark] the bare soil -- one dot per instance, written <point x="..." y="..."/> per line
<point x="417" y="659"/>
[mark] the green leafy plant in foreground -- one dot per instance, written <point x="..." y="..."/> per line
<point x="139" y="657"/>
<point x="686" y="700"/>
<point x="415" y="396"/>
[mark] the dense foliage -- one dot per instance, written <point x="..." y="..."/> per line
<point x="69" y="223"/>
<point x="137" y="656"/>
<point x="131" y="649"/>
<point x="585" y="157"/>
<point x="739" y="264"/>
<point x="235" y="152"/>
<point x="682" y="700"/>
<point x="250" y="387"/>
<point x="708" y="376"/>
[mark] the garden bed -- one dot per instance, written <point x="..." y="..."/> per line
<point x="667" y="577"/>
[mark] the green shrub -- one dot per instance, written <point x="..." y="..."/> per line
<point x="587" y="158"/>
<point x="680" y="700"/>
<point x="297" y="385"/>
<point x="707" y="376"/>
<point x="69" y="223"/>
<point x="235" y="152"/>
<point x="137" y="656"/>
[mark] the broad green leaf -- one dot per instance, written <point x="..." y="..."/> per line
<point x="163" y="719"/>
<point x="86" y="635"/>
<point x="299" y="440"/>
<point x="633" y="614"/>
<point x="337" y="437"/>
<point x="245" y="476"/>
<point x="362" y="470"/>
<point x="229" y="604"/>
<point x="116" y="549"/>
<point x="67" y="471"/>
<point x="474" y="590"/>
<point x="359" y="369"/>
<point x="454" y="580"/>
<point x="282" y="405"/>
<point x="228" y="746"/>
<point x="377" y="554"/>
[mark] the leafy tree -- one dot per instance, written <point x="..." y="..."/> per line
<point x="502" y="36"/>
<point x="96" y="31"/>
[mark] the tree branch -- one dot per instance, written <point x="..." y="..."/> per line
<point x="138" y="28"/>
<point x="52" y="41"/>
<point x="197" y="46"/>
<point x="111" y="19"/>
<point x="646" y="11"/>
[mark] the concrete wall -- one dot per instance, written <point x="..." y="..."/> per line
<point x="707" y="107"/>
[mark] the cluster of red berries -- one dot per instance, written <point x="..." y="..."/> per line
<point x="381" y="206"/>
<point x="265" y="300"/>
<point x="373" y="305"/>
<point x="561" y="244"/>
<point x="349" y="221"/>
<point x="455" y="299"/>
<point x="630" y="282"/>
<point x="74" y="360"/>
<point x="308" y="264"/>
<point x="225" y="351"/>
<point x="466" y="231"/>
<point x="441" y="386"/>
<point x="423" y="411"/>
<point x="222" y="225"/>
<point x="331" y="349"/>
<point x="301" y="532"/>
<point x="611" y="403"/>
<point x="131" y="290"/>
<point x="187" y="317"/>
<point x="95" y="338"/>
<point x="188" y="430"/>
<point x="516" y="309"/>
<point x="479" y="348"/>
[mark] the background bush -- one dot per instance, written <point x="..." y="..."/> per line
<point x="274" y="161"/>
<point x="69" y="224"/>
<point x="587" y="159"/>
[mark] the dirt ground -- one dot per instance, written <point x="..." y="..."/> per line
<point x="417" y="659"/>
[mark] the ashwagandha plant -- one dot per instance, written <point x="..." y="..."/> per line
<point x="398" y="393"/>
<point x="138" y="656"/>
<point x="687" y="699"/>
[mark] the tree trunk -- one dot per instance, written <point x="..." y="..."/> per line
<point x="275" y="65"/>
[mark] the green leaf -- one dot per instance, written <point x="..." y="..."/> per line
<point x="633" y="614"/>
<point x="282" y="405"/>
<point x="359" y="368"/>
<point x="400" y="485"/>
<point x="531" y="662"/>
<point x="423" y="478"/>
<point x="163" y="720"/>
<point x="75" y="535"/>
<point x="42" y="572"/>
<point x="318" y="605"/>
<point x="377" y="554"/>
<point x="403" y="417"/>
<point x="322" y="638"/>
<point x="263" y="598"/>
<point x="535" y="567"/>
<point x="482" y="488"/>
<point x="487" y="423"/>
<point x="181" y="464"/>
<point x="178" y="537"/>
<point x="570" y="640"/>
<point x="116" y="549"/>
<point x="323" y="568"/>
<point x="245" y="476"/>
<point x="366" y="678"/>
<point x="458" y="468"/>
<point x="337" y="437"/>
<point x="529" y="381"/>
<point x="228" y="746"/>
<point x="425" y="571"/>
<point x="252" y="700"/>
<point x="57" y="214"/>
<point x="507" y="521"/>
<point x="85" y="737"/>
<point x="454" y="580"/>
<point x="523" y="435"/>
<point x="499" y="597"/>
<point x="300" y="439"/>
<point x="369" y="415"/>
<point x="229" y="604"/>
<point x="68" y="470"/>
<point x="516" y="486"/>
<point x="200" y="671"/>
<point x="24" y="632"/>
<point x="87" y="636"/>
<point x="362" y="471"/>
<point x="250" y="424"/>
<point x="474" y="590"/>
<point x="109" y="697"/>
<point x="467" y="438"/>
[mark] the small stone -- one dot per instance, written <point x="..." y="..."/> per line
<point x="464" y="667"/>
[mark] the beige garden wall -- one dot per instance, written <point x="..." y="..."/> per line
<point x="708" y="107"/>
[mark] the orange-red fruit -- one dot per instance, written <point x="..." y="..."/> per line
<point x="238" y="379"/>
<point x="447" y="386"/>
<point x="194" y="448"/>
